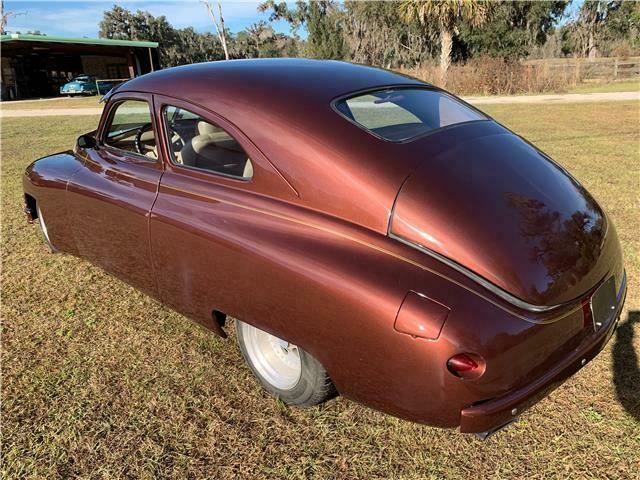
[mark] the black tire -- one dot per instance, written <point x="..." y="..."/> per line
<point x="313" y="385"/>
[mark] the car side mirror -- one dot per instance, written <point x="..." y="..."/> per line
<point x="86" y="141"/>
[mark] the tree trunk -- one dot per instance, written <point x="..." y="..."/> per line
<point x="219" y="28"/>
<point x="592" y="46"/>
<point x="223" y="35"/>
<point x="446" y="44"/>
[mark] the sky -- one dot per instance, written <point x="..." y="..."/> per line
<point x="81" y="18"/>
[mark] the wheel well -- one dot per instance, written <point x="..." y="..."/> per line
<point x="31" y="206"/>
<point x="219" y="317"/>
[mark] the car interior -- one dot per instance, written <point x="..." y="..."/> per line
<point x="193" y="141"/>
<point x="197" y="143"/>
<point x="131" y="129"/>
<point x="402" y="114"/>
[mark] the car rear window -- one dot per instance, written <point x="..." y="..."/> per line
<point x="402" y="114"/>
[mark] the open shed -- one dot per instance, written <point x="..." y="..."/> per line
<point x="37" y="65"/>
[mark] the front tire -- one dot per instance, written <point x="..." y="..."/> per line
<point x="285" y="370"/>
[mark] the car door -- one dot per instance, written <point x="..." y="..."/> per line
<point x="110" y="198"/>
<point x="209" y="212"/>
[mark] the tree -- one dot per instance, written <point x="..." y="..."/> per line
<point x="448" y="14"/>
<point x="592" y="16"/>
<point x="322" y="21"/>
<point x="177" y="46"/>
<point x="376" y="35"/>
<point x="599" y="24"/>
<point x="5" y="16"/>
<point x="218" y="22"/>
<point x="514" y="29"/>
<point x="258" y="40"/>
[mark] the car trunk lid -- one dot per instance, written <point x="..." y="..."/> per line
<point x="502" y="212"/>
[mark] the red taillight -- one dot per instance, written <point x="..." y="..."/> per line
<point x="466" y="365"/>
<point x="587" y="315"/>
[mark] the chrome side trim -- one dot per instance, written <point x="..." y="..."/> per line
<point x="476" y="278"/>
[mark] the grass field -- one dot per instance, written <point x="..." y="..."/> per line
<point x="100" y="381"/>
<point x="59" y="102"/>
<point x="624" y="86"/>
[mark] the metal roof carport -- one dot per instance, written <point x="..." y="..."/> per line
<point x="37" y="65"/>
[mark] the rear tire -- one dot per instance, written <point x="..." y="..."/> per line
<point x="285" y="370"/>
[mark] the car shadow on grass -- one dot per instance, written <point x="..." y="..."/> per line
<point x="626" y="368"/>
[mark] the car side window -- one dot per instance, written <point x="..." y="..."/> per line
<point x="131" y="129"/>
<point x="197" y="143"/>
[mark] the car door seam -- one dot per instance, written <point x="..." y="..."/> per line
<point x="151" y="257"/>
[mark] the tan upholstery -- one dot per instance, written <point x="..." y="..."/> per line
<point x="248" y="169"/>
<point x="214" y="149"/>
<point x="205" y="128"/>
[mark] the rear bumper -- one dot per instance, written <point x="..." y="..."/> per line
<point x="501" y="410"/>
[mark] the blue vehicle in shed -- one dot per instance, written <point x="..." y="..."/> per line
<point x="85" y="85"/>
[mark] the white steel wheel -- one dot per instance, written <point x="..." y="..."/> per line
<point x="284" y="369"/>
<point x="277" y="360"/>
<point x="43" y="228"/>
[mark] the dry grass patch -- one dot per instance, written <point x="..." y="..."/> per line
<point x="100" y="381"/>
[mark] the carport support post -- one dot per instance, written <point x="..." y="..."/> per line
<point x="151" y="60"/>
<point x="132" y="72"/>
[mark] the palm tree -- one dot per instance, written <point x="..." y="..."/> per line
<point x="447" y="13"/>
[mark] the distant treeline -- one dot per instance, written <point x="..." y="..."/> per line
<point x="402" y="34"/>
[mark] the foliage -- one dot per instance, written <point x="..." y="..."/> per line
<point x="376" y="35"/>
<point x="183" y="46"/>
<point x="260" y="40"/>
<point x="401" y="34"/>
<point x="602" y="27"/>
<point x="498" y="76"/>
<point x="448" y="14"/>
<point x="322" y="19"/>
<point x="513" y="30"/>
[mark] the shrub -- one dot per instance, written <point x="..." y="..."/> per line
<point x="495" y="76"/>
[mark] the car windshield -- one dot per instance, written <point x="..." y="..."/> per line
<point x="82" y="79"/>
<point x="402" y="114"/>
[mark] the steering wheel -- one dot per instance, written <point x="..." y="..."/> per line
<point x="177" y="142"/>
<point x="138" y="140"/>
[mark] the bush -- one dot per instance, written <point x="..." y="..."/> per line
<point x="495" y="76"/>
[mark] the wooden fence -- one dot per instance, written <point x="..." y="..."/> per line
<point x="597" y="69"/>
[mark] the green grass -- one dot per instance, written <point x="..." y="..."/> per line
<point x="60" y="102"/>
<point x="623" y="86"/>
<point x="100" y="381"/>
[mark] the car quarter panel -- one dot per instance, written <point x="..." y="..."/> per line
<point x="335" y="289"/>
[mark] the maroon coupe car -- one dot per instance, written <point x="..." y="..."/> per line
<point x="373" y="235"/>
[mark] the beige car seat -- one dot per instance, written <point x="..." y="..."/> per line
<point x="214" y="149"/>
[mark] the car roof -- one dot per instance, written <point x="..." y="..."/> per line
<point x="283" y="79"/>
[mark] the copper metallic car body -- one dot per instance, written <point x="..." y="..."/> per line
<point x="346" y="244"/>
